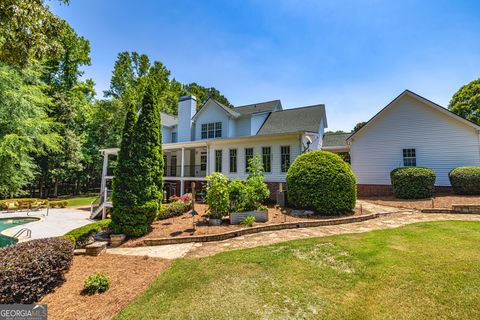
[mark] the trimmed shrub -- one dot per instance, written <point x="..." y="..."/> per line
<point x="238" y="194"/>
<point x="248" y="221"/>
<point x="321" y="181"/>
<point x="96" y="283"/>
<point x="413" y="182"/>
<point x="58" y="204"/>
<point x="82" y="235"/>
<point x="465" y="180"/>
<point x="30" y="270"/>
<point x="173" y="209"/>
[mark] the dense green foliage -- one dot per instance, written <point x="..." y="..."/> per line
<point x="29" y="270"/>
<point x="29" y="31"/>
<point x="359" y="126"/>
<point x="217" y="196"/>
<point x="466" y="102"/>
<point x="96" y="283"/>
<point x="248" y="221"/>
<point x="321" y="181"/>
<point x="413" y="183"/>
<point x="465" y="180"/>
<point x="420" y="271"/>
<point x="82" y="234"/>
<point x="140" y="178"/>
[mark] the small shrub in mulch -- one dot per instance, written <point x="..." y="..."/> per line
<point x="30" y="270"/>
<point x="413" y="183"/>
<point x="96" y="283"/>
<point x="465" y="180"/>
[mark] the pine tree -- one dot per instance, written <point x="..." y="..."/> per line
<point x="142" y="176"/>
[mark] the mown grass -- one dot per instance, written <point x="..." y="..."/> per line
<point x="421" y="271"/>
<point x="80" y="201"/>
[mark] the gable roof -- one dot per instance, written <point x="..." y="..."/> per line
<point x="228" y="110"/>
<point x="305" y="119"/>
<point x="258" y="107"/>
<point x="421" y="99"/>
<point x="168" y="120"/>
<point x="335" y="139"/>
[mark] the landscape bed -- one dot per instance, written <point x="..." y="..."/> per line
<point x="182" y="226"/>
<point x="423" y="270"/>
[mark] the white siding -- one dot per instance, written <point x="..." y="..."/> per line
<point x="275" y="143"/>
<point x="166" y="135"/>
<point x="441" y="142"/>
<point x="242" y="127"/>
<point x="211" y="113"/>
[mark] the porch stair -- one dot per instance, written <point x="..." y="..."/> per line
<point x="99" y="206"/>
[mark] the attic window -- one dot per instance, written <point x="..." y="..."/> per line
<point x="211" y="130"/>
<point x="409" y="158"/>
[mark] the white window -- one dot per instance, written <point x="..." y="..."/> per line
<point x="409" y="158"/>
<point x="211" y="130"/>
<point x="174" y="137"/>
<point x="267" y="159"/>
<point x="285" y="158"/>
<point x="218" y="160"/>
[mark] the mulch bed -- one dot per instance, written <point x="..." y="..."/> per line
<point x="182" y="226"/>
<point x="441" y="201"/>
<point x="129" y="276"/>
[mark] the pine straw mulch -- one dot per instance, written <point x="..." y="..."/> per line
<point x="440" y="201"/>
<point x="182" y="226"/>
<point x="129" y="276"/>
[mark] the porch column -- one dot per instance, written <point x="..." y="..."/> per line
<point x="182" y="173"/>
<point x="207" y="171"/>
<point x="104" y="171"/>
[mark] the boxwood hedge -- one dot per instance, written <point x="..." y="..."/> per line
<point x="465" y="180"/>
<point x="30" y="270"/>
<point x="321" y="181"/>
<point x="82" y="235"/>
<point x="413" y="182"/>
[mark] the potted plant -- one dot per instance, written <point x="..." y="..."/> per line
<point x="217" y="197"/>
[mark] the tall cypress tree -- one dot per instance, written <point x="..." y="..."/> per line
<point x="143" y="176"/>
<point x="123" y="199"/>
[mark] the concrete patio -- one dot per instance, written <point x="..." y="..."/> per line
<point x="56" y="223"/>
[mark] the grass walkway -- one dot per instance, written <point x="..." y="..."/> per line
<point x="424" y="270"/>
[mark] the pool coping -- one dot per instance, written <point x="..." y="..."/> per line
<point x="10" y="234"/>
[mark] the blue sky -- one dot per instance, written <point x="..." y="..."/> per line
<point x="353" y="56"/>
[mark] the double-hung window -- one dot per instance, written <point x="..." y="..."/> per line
<point x="218" y="160"/>
<point x="174" y="137"/>
<point x="233" y="160"/>
<point x="248" y="156"/>
<point x="409" y="158"/>
<point x="267" y="159"/>
<point x="285" y="158"/>
<point x="173" y="166"/>
<point x="211" y="130"/>
<point x="203" y="162"/>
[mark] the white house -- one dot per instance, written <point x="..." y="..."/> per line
<point x="222" y="139"/>
<point x="409" y="131"/>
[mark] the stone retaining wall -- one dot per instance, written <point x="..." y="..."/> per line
<point x="270" y="227"/>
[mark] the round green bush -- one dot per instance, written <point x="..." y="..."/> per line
<point x="413" y="183"/>
<point x="321" y="181"/>
<point x="465" y="180"/>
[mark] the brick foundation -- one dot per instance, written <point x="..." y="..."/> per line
<point x="381" y="190"/>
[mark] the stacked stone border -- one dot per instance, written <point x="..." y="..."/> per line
<point x="456" y="208"/>
<point x="271" y="227"/>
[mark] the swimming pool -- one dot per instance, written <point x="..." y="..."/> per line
<point x="6" y="223"/>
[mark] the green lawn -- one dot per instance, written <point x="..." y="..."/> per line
<point x="422" y="271"/>
<point x="80" y="201"/>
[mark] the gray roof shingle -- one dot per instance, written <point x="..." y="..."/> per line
<point x="305" y="119"/>
<point x="168" y="120"/>
<point x="257" y="107"/>
<point x="335" y="139"/>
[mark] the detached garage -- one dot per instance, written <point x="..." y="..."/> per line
<point x="411" y="131"/>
